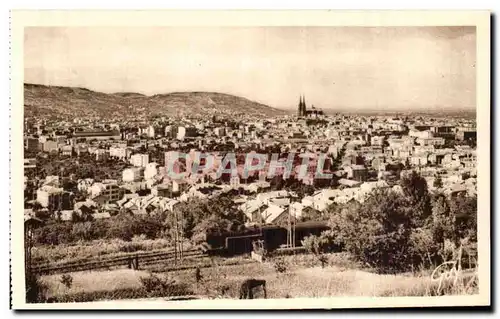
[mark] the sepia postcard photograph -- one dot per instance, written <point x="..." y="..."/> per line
<point x="250" y="159"/>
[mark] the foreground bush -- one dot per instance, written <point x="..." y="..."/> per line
<point x="163" y="286"/>
<point x="280" y="265"/>
<point x="399" y="231"/>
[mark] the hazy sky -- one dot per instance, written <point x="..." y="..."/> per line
<point x="335" y="67"/>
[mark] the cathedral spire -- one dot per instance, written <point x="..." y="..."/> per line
<point x="304" y="108"/>
<point x="300" y="106"/>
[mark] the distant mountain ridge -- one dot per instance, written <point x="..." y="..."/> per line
<point x="42" y="100"/>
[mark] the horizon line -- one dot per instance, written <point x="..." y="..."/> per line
<point x="283" y="108"/>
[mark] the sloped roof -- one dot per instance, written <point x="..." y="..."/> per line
<point x="272" y="212"/>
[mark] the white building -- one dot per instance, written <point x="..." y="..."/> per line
<point x="49" y="196"/>
<point x="133" y="174"/>
<point x="84" y="184"/>
<point x="101" y="154"/>
<point x="421" y="134"/>
<point x="377" y="140"/>
<point x="67" y="150"/>
<point x="183" y="132"/>
<point x="120" y="152"/>
<point x="431" y="141"/>
<point x="150" y="171"/>
<point x="139" y="160"/>
<point x="150" y="131"/>
<point x="108" y="189"/>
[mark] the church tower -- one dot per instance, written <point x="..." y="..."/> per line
<point x="304" y="109"/>
<point x="302" y="106"/>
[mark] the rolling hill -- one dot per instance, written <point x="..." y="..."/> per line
<point x="41" y="100"/>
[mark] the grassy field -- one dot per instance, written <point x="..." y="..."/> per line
<point x="303" y="277"/>
<point x="91" y="281"/>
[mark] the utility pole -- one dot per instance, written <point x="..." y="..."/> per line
<point x="289" y="237"/>
<point x="29" y="225"/>
<point x="291" y="225"/>
<point x="175" y="236"/>
<point x="181" y="236"/>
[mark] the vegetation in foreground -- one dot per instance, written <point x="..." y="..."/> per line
<point x="296" y="276"/>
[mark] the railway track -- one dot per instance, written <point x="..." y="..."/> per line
<point x="131" y="261"/>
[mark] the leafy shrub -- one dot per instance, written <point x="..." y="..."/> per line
<point x="222" y="289"/>
<point x="280" y="265"/>
<point x="197" y="275"/>
<point x="325" y="243"/>
<point x="323" y="259"/>
<point x="259" y="248"/>
<point x="82" y="231"/>
<point x="424" y="249"/>
<point x="54" y="234"/>
<point x="131" y="247"/>
<point x="43" y="214"/>
<point x="438" y="182"/>
<point x="67" y="280"/>
<point x="155" y="285"/>
<point x="154" y="282"/>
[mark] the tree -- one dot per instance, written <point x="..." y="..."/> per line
<point x="36" y="206"/>
<point x="438" y="182"/>
<point x="122" y="226"/>
<point x="377" y="232"/>
<point x="197" y="275"/>
<point x="407" y="164"/>
<point x="82" y="231"/>
<point x="464" y="209"/>
<point x="67" y="280"/>
<point x="200" y="217"/>
<point x="309" y="213"/>
<point x="417" y="196"/>
<point x="319" y="245"/>
<point x="442" y="220"/>
<point x="54" y="234"/>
